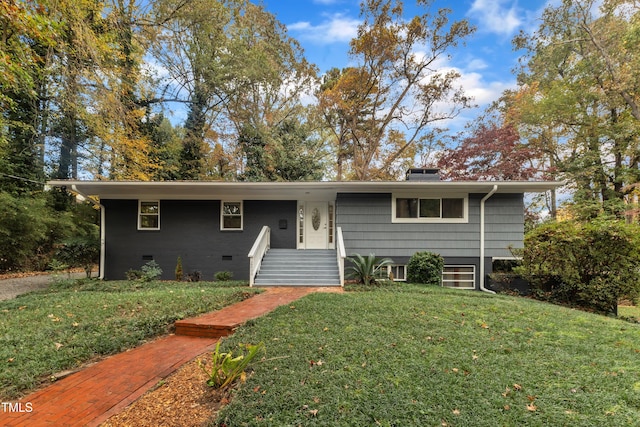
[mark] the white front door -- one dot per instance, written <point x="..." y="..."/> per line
<point x="315" y="225"/>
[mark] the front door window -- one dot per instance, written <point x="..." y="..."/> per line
<point x="315" y="219"/>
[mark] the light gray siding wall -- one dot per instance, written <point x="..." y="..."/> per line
<point x="504" y="224"/>
<point x="367" y="227"/>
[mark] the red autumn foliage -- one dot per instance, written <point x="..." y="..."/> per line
<point x="492" y="153"/>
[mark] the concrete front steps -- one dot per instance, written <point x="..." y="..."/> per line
<point x="291" y="267"/>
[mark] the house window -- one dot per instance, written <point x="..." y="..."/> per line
<point x="231" y="216"/>
<point x="397" y="272"/>
<point x="429" y="209"/>
<point x="459" y="276"/>
<point x="149" y="215"/>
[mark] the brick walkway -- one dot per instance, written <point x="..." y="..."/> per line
<point x="97" y="392"/>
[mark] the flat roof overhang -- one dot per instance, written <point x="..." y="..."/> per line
<point x="315" y="190"/>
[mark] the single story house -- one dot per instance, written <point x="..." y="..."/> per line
<point x="299" y="233"/>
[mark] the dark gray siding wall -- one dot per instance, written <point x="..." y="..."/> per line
<point x="191" y="230"/>
<point x="367" y="228"/>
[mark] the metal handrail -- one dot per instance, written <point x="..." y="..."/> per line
<point x="340" y="253"/>
<point x="259" y="248"/>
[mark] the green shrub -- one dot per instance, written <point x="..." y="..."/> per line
<point x="31" y="228"/>
<point x="179" y="271"/>
<point x="425" y="268"/>
<point x="367" y="270"/>
<point x="133" y="275"/>
<point x="195" y="276"/>
<point x="592" y="265"/>
<point x="150" y="271"/>
<point x="223" y="276"/>
<point x="81" y="252"/>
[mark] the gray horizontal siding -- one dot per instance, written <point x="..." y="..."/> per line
<point x="504" y="224"/>
<point x="368" y="228"/>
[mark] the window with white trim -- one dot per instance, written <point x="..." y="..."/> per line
<point x="149" y="215"/>
<point x="231" y="216"/>
<point x="397" y="272"/>
<point x="459" y="276"/>
<point x="429" y="209"/>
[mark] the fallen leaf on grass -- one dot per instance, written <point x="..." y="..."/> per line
<point x="58" y="346"/>
<point x="532" y="408"/>
<point x="456" y="412"/>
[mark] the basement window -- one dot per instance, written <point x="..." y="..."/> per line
<point x="397" y="272"/>
<point x="459" y="276"/>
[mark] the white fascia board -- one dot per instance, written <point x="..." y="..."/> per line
<point x="316" y="190"/>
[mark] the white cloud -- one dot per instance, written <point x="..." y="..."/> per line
<point x="475" y="85"/>
<point x="477" y="64"/>
<point x="483" y="92"/>
<point x="495" y="17"/>
<point x="337" y="28"/>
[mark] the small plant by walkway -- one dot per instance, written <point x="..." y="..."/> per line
<point x="223" y="369"/>
<point x="431" y="356"/>
<point x="72" y="322"/>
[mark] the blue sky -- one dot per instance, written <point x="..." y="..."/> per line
<point x="325" y="27"/>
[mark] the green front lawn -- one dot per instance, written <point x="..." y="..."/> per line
<point x="434" y="357"/>
<point x="72" y="322"/>
<point x="629" y="312"/>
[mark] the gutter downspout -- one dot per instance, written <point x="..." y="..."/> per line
<point x="102" y="229"/>
<point x="482" y="202"/>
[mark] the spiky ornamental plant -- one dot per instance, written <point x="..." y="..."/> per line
<point x="367" y="269"/>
